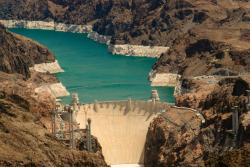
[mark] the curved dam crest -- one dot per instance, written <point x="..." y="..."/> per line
<point x="93" y="72"/>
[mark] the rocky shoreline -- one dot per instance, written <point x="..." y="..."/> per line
<point x="99" y="38"/>
<point x="46" y="25"/>
<point x="163" y="79"/>
<point x="166" y="79"/>
<point x="51" y="68"/>
<point x="38" y="59"/>
<point x="124" y="49"/>
<point x="138" y="50"/>
<point x="55" y="89"/>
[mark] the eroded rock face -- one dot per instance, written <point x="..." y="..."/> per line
<point x="175" y="139"/>
<point x="26" y="142"/>
<point x="235" y="158"/>
<point x="192" y="143"/>
<point x="37" y="9"/>
<point x="18" y="53"/>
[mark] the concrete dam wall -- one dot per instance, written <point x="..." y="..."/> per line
<point x="121" y="127"/>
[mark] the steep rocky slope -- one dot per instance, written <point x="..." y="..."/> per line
<point x="233" y="158"/>
<point x="175" y="138"/>
<point x="18" y="53"/>
<point x="26" y="142"/>
<point x="193" y="144"/>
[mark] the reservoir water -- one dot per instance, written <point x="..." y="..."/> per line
<point x="93" y="72"/>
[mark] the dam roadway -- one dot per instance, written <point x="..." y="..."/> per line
<point x="121" y="128"/>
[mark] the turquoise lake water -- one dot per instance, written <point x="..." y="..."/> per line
<point x="93" y="72"/>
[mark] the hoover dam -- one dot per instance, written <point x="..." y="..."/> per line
<point x="121" y="127"/>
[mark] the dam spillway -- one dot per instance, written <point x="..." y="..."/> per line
<point x="121" y="127"/>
